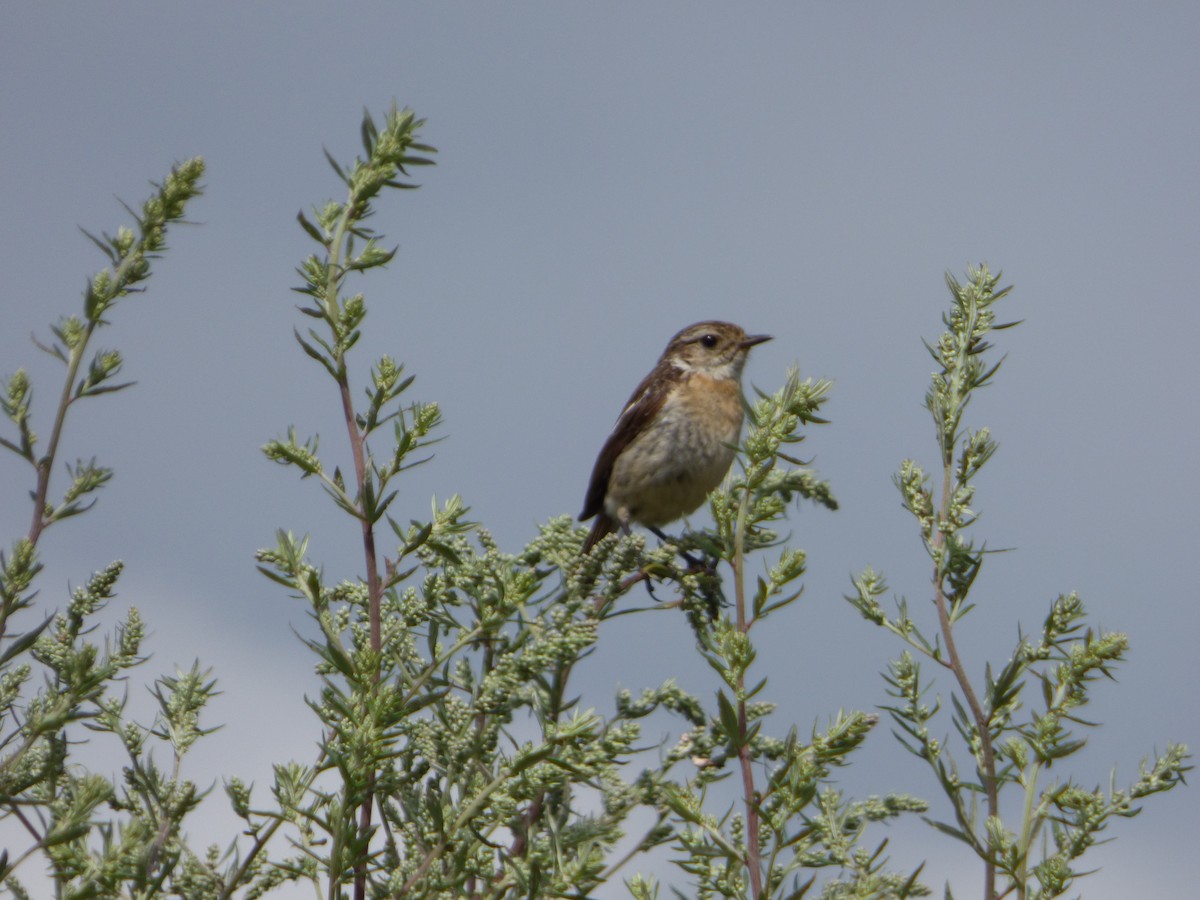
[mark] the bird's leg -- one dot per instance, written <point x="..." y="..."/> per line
<point x="691" y="560"/>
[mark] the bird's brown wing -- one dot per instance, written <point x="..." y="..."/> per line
<point x="643" y="406"/>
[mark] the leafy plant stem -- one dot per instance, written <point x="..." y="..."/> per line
<point x="942" y="553"/>
<point x="337" y="248"/>
<point x="45" y="465"/>
<point x="753" y="856"/>
<point x="1028" y="828"/>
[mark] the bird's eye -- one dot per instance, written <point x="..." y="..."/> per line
<point x="709" y="341"/>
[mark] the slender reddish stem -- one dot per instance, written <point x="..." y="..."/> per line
<point x="955" y="664"/>
<point x="745" y="761"/>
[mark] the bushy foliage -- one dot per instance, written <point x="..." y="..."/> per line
<point x="456" y="756"/>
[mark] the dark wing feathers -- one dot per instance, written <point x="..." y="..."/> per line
<point x="644" y="404"/>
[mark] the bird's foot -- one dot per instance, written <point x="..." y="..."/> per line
<point x="694" y="565"/>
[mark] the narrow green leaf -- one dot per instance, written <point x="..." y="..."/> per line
<point x="729" y="721"/>
<point x="310" y="229"/>
<point x="22" y="643"/>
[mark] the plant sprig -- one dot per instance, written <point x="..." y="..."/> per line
<point x="1012" y="741"/>
<point x="94" y="834"/>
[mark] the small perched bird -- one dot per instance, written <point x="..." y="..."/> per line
<point x="674" y="441"/>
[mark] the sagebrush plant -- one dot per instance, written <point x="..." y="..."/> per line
<point x="91" y="834"/>
<point x="463" y="763"/>
<point x="456" y="755"/>
<point x="1012" y="739"/>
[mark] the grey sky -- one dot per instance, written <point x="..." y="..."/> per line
<point x="609" y="173"/>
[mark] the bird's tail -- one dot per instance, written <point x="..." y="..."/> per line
<point x="602" y="526"/>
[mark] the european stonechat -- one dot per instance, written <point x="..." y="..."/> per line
<point x="675" y="439"/>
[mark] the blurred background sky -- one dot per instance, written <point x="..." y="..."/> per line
<point x="607" y="174"/>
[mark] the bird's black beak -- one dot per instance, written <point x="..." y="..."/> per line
<point x="751" y="339"/>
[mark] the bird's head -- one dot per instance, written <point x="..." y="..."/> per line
<point x="718" y="349"/>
